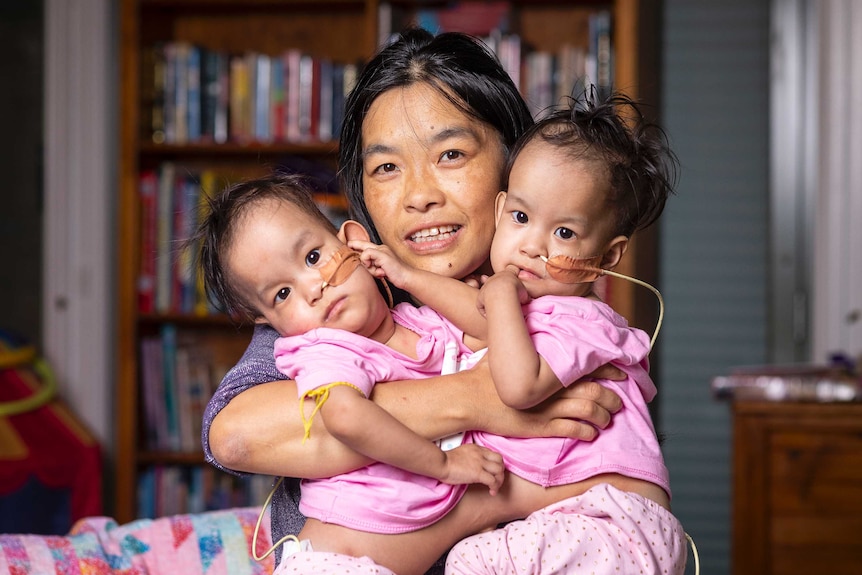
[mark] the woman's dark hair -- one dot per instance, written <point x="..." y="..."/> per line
<point x="641" y="166"/>
<point x="215" y="233"/>
<point x="460" y="66"/>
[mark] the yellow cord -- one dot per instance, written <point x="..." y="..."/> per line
<point x="694" y="552"/>
<point x="39" y="398"/>
<point x="653" y="290"/>
<point x="260" y="520"/>
<point x="319" y="395"/>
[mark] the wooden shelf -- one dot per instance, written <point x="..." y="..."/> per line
<point x="342" y="30"/>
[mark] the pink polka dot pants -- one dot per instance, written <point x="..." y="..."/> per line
<point x="603" y="531"/>
<point x="322" y="563"/>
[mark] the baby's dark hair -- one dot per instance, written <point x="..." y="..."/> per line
<point x="225" y="212"/>
<point x="641" y="166"/>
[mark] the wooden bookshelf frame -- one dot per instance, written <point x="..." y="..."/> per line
<point x="351" y="31"/>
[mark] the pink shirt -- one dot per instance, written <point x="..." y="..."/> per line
<point x="378" y="498"/>
<point x="576" y="336"/>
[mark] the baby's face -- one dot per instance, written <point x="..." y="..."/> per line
<point x="555" y="206"/>
<point x="275" y="262"/>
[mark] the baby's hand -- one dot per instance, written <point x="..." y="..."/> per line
<point x="502" y="285"/>
<point x="470" y="463"/>
<point x="382" y="262"/>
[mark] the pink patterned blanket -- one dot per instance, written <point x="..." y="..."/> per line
<point x="212" y="543"/>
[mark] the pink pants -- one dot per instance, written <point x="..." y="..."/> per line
<point x="605" y="530"/>
<point x="299" y="558"/>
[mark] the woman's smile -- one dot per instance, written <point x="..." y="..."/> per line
<point x="434" y="234"/>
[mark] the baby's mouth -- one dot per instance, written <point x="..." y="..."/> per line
<point x="434" y="234"/>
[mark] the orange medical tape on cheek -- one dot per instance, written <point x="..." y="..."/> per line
<point x="339" y="267"/>
<point x="568" y="270"/>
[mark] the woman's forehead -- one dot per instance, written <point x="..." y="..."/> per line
<point x="418" y="108"/>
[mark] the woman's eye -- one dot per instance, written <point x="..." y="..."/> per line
<point x="282" y="294"/>
<point x="313" y="258"/>
<point x="386" y="168"/>
<point x="520" y="217"/>
<point x="565" y="233"/>
<point x="451" y="155"/>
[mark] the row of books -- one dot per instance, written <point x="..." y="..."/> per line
<point x="194" y="95"/>
<point x="544" y="78"/>
<point x="178" y="376"/>
<point x="173" y="489"/>
<point x="172" y="199"/>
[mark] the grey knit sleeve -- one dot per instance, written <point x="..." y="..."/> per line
<point x="257" y="365"/>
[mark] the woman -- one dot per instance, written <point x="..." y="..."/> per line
<point x="424" y="142"/>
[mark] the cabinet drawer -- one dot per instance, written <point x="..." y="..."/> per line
<point x="816" y="473"/>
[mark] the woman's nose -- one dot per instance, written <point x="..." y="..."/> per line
<point x="422" y="191"/>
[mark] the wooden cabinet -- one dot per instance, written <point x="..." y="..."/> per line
<point x="797" y="488"/>
<point x="338" y="30"/>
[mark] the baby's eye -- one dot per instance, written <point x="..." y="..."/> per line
<point x="520" y="217"/>
<point x="282" y="295"/>
<point x="313" y="258"/>
<point x="565" y="233"/>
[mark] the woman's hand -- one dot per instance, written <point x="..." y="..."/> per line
<point x="578" y="411"/>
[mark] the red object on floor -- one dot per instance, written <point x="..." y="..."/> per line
<point x="47" y="458"/>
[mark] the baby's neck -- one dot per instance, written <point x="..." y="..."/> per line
<point x="403" y="340"/>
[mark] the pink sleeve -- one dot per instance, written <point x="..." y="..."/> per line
<point x="576" y="338"/>
<point x="314" y="361"/>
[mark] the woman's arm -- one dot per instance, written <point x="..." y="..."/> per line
<point x="260" y="430"/>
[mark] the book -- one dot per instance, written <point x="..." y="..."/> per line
<point x="153" y="93"/>
<point x="240" y="130"/>
<point x="338" y="95"/>
<point x="181" y="51"/>
<point x="262" y="88"/>
<point x="168" y="333"/>
<point x="291" y="62"/>
<point x="193" y="93"/>
<point x="187" y="194"/>
<point x="325" y="97"/>
<point x="169" y="97"/>
<point x="222" y="103"/>
<point x="152" y="393"/>
<point x="277" y="100"/>
<point x="306" y="97"/>
<point x="208" y="189"/>
<point x="164" y="237"/>
<point x="148" y="186"/>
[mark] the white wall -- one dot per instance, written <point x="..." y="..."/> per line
<point x="79" y="184"/>
<point x="837" y="266"/>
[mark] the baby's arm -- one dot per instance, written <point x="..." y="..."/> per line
<point x="522" y="377"/>
<point x="451" y="298"/>
<point x="368" y="429"/>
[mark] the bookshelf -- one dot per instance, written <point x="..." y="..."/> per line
<point x="332" y="32"/>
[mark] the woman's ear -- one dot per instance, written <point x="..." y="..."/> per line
<point x="615" y="251"/>
<point x="498" y="207"/>
<point x="353" y="230"/>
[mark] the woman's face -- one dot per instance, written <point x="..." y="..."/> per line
<point x="430" y="176"/>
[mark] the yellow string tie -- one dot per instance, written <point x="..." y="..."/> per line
<point x="319" y="395"/>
